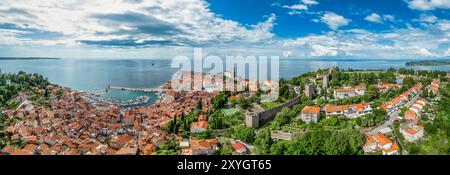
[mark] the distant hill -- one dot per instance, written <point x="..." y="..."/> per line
<point x="27" y="58"/>
<point x="428" y="63"/>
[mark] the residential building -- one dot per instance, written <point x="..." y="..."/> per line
<point x="380" y="142"/>
<point x="414" y="111"/>
<point x="201" y="147"/>
<point x="347" y="92"/>
<point x="435" y="84"/>
<point x="349" y="111"/>
<point x="310" y="114"/>
<point x="199" y="127"/>
<point x="385" y="87"/>
<point x="239" y="148"/>
<point x="411" y="131"/>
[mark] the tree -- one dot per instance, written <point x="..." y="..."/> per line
<point x="216" y="120"/>
<point x="408" y="82"/>
<point x="220" y="100"/>
<point x="199" y="104"/>
<point x="284" y="116"/>
<point x="169" y="147"/>
<point x="226" y="149"/>
<point x="243" y="133"/>
<point x="263" y="142"/>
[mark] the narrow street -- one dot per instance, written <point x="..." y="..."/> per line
<point x="392" y="116"/>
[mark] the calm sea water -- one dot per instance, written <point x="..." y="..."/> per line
<point x="92" y="75"/>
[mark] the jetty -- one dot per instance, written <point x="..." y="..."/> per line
<point x="138" y="89"/>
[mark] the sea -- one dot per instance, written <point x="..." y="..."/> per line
<point x="97" y="74"/>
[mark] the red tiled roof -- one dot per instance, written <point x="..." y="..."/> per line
<point x="311" y="110"/>
<point x="382" y="139"/>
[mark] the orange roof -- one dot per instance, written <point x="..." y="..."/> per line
<point x="410" y="115"/>
<point x="382" y="139"/>
<point x="386" y="85"/>
<point x="200" y="124"/>
<point x="369" y="139"/>
<point x="203" y="144"/>
<point x="360" y="87"/>
<point x="21" y="152"/>
<point x="202" y="118"/>
<point x="411" y="131"/>
<point x="344" y="89"/>
<point x="332" y="108"/>
<point x="417" y="86"/>
<point x="238" y="146"/>
<point x="385" y="106"/>
<point x="311" y="110"/>
<point x="393" y="148"/>
<point x="359" y="107"/>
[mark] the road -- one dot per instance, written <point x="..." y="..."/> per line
<point x="23" y="103"/>
<point x="393" y="115"/>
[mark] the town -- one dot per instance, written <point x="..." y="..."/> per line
<point x="325" y="112"/>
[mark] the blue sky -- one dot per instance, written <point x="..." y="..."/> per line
<point x="163" y="29"/>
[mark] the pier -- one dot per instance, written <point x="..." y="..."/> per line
<point x="138" y="89"/>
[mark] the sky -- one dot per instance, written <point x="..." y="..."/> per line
<point x="375" y="29"/>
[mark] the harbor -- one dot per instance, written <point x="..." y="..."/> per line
<point x="101" y="97"/>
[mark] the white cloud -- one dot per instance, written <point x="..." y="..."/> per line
<point x="299" y="8"/>
<point x="428" y="4"/>
<point x="444" y="25"/>
<point x="310" y="2"/>
<point x="318" y="50"/>
<point x="398" y="43"/>
<point x="424" y="52"/>
<point x="287" y="53"/>
<point x="333" y="20"/>
<point x="389" y="18"/>
<point x="296" y="7"/>
<point x="427" y="18"/>
<point x="128" y="22"/>
<point x="447" y="53"/>
<point x="376" y="18"/>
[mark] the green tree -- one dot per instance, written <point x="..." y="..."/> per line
<point x="244" y="133"/>
<point x="263" y="142"/>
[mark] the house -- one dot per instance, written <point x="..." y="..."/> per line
<point x="414" y="111"/>
<point x="149" y="149"/>
<point x="21" y="152"/>
<point x="201" y="118"/>
<point x="7" y="149"/>
<point x="184" y="143"/>
<point x="435" y="84"/>
<point x="171" y="96"/>
<point x="384" y="87"/>
<point x="396" y="102"/>
<point x="347" y="92"/>
<point x="202" y="147"/>
<point x="416" y="88"/>
<point x="310" y="114"/>
<point x="32" y="148"/>
<point x="393" y="150"/>
<point x="349" y="111"/>
<point x="410" y="115"/>
<point x="370" y="145"/>
<point x="198" y="127"/>
<point x="121" y="141"/>
<point x="380" y="142"/>
<point x="239" y="148"/>
<point x="127" y="151"/>
<point x="411" y="131"/>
